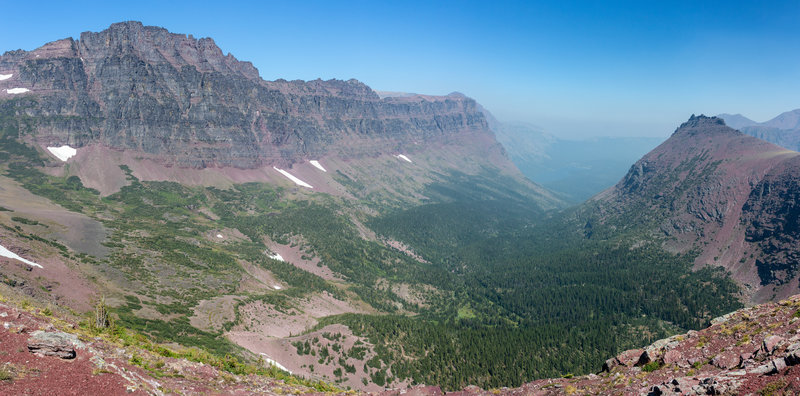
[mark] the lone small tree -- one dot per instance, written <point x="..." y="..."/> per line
<point x="100" y="314"/>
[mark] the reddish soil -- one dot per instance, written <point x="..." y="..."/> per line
<point x="76" y="230"/>
<point x="58" y="281"/>
<point x="258" y="279"/>
<point x="263" y="319"/>
<point x="104" y="368"/>
<point x="47" y="375"/>
<point x="303" y="260"/>
<point x="282" y="351"/>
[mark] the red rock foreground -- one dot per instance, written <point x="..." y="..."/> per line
<point x="40" y="355"/>
<point x="752" y="351"/>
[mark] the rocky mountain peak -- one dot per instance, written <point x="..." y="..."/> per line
<point x="156" y="45"/>
<point x="703" y="124"/>
<point x="730" y="194"/>
<point x="789" y="120"/>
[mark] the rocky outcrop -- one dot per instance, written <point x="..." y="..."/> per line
<point x="179" y="100"/>
<point x="54" y="343"/>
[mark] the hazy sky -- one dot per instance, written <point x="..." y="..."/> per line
<point x="587" y="68"/>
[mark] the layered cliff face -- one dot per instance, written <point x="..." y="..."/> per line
<point x="716" y="191"/>
<point x="772" y="216"/>
<point x="180" y="101"/>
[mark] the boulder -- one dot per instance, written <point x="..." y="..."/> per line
<point x="793" y="354"/>
<point x="53" y="343"/>
<point x="771" y="343"/>
<point x="683" y="385"/>
<point x="630" y="357"/>
<point x="649" y="355"/>
<point x="778" y="365"/>
<point x="773" y="367"/>
<point x="726" y="360"/>
<point x="609" y="364"/>
<point x="672" y="356"/>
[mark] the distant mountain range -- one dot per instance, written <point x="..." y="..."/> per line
<point x="783" y="130"/>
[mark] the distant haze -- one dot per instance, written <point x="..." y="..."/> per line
<point x="576" y="69"/>
<point x="783" y="130"/>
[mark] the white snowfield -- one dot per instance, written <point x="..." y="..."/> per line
<point x="276" y="287"/>
<point x="317" y="165"/>
<point x="274" y="363"/>
<point x="7" y="253"/>
<point x="403" y="157"/>
<point x="292" y="178"/>
<point x="219" y="236"/>
<point x="63" y="153"/>
<point x="5" y="76"/>
<point x="276" y="256"/>
<point x="17" y="90"/>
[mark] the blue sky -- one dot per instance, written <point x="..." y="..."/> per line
<point x="588" y="68"/>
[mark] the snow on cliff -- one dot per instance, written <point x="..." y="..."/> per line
<point x="17" y="90"/>
<point x="64" y="152"/>
<point x="317" y="165"/>
<point x="292" y="178"/>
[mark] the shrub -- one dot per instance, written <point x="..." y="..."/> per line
<point x="652" y="366"/>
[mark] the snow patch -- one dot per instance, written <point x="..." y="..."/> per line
<point x="17" y="90"/>
<point x="276" y="256"/>
<point x="276" y="287"/>
<point x="403" y="157"/>
<point x="317" y="165"/>
<point x="219" y="236"/>
<point x="63" y="153"/>
<point x="274" y="363"/>
<point x="292" y="178"/>
<point x="5" y="76"/>
<point x="7" y="253"/>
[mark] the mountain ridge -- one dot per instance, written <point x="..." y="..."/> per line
<point x="186" y="90"/>
<point x="174" y="108"/>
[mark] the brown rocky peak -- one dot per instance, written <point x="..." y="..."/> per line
<point x="156" y="45"/>
<point x="704" y="125"/>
